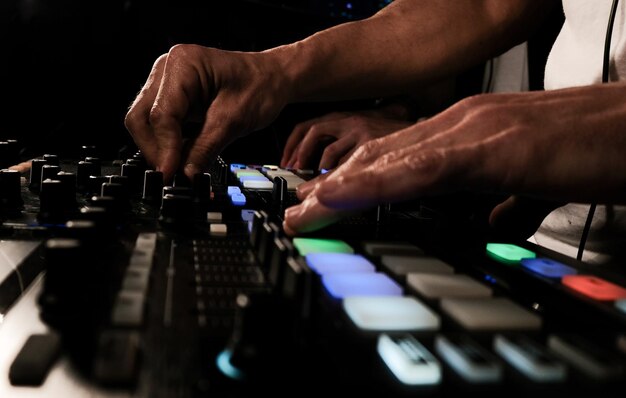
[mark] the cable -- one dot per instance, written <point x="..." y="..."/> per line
<point x="606" y="66"/>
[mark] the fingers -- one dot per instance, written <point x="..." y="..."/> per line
<point x="219" y="129"/>
<point x="290" y="153"/>
<point x="293" y="141"/>
<point x="137" y="120"/>
<point x="334" y="152"/>
<point x="310" y="215"/>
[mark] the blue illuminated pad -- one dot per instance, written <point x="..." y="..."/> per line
<point x="341" y="285"/>
<point x="238" y="199"/>
<point x="325" y="263"/>
<point x="247" y="215"/>
<point x="548" y="268"/>
<point x="233" y="190"/>
<point x="390" y="313"/>
<point x="237" y="166"/>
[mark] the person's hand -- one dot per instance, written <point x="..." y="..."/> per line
<point x="229" y="93"/>
<point x="340" y="132"/>
<point x="563" y="145"/>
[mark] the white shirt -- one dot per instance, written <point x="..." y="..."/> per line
<point x="576" y="59"/>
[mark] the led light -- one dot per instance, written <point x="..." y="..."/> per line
<point x="529" y="358"/>
<point x="232" y="189"/>
<point x="409" y="360"/>
<point x="325" y="263"/>
<point x="258" y="184"/>
<point x="390" y="313"/>
<point x="341" y="285"/>
<point x="312" y="245"/>
<point x="259" y="177"/>
<point x="548" y="268"/>
<point x="224" y="365"/>
<point x="594" y="287"/>
<point x="247" y="215"/>
<point x="238" y="199"/>
<point x="236" y="166"/>
<point x="507" y="253"/>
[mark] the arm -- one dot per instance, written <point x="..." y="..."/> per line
<point x="562" y="145"/>
<point x="406" y="45"/>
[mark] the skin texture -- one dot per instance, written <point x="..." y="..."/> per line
<point x="493" y="142"/>
<point x="233" y="93"/>
<point x="340" y="132"/>
<point x="559" y="146"/>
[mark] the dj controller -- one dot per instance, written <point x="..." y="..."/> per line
<point x="113" y="284"/>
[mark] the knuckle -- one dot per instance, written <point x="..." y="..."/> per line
<point x="368" y="150"/>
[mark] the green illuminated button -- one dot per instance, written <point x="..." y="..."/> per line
<point x="311" y="245"/>
<point x="507" y="253"/>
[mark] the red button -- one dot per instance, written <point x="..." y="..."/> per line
<point x="594" y="287"/>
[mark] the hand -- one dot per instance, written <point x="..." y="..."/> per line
<point x="341" y="132"/>
<point x="229" y="93"/>
<point x="562" y="145"/>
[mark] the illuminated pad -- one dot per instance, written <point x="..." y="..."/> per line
<point x="507" y="253"/>
<point x="394" y="248"/>
<point x="238" y="199"/>
<point x="326" y="263"/>
<point x="490" y="314"/>
<point x="530" y="358"/>
<point x="469" y="359"/>
<point x="390" y="313"/>
<point x="402" y="265"/>
<point x="341" y="285"/>
<point x="548" y="268"/>
<point x="409" y="360"/>
<point x="214" y="216"/>
<point x="312" y="245"/>
<point x="435" y="286"/>
<point x="594" y="287"/>
<point x="232" y="189"/>
<point x="258" y="184"/>
<point x="218" y="229"/>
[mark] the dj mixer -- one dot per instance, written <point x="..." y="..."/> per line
<point x="113" y="284"/>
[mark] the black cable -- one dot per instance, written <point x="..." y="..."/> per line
<point x="606" y="67"/>
<point x="489" y="77"/>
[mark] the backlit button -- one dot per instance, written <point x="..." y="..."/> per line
<point x="341" y="285"/>
<point x="218" y="229"/>
<point x="409" y="360"/>
<point x="548" y="268"/>
<point x="233" y="190"/>
<point x="391" y="248"/>
<point x="326" y="263"/>
<point x="252" y="177"/>
<point x="594" y="287"/>
<point x="490" y="314"/>
<point x="402" y="265"/>
<point x="214" y="216"/>
<point x="436" y="286"/>
<point x="248" y="173"/>
<point x="236" y="166"/>
<point x="258" y="184"/>
<point x="474" y="363"/>
<point x="313" y="245"/>
<point x="592" y="360"/>
<point x="238" y="199"/>
<point x="507" y="253"/>
<point x="390" y="313"/>
<point x="128" y="309"/>
<point x="136" y="279"/>
<point x="529" y="358"/>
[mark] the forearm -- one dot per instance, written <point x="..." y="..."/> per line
<point x="405" y="45"/>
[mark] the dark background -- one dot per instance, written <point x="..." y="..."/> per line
<point x="69" y="69"/>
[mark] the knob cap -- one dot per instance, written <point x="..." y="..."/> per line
<point x="176" y="209"/>
<point x="35" y="174"/>
<point x="10" y="191"/>
<point x="152" y="186"/>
